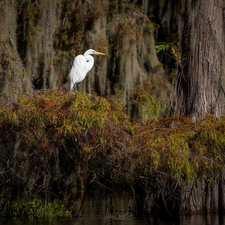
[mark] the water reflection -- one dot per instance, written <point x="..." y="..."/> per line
<point x="114" y="211"/>
<point x="111" y="217"/>
<point x="195" y="219"/>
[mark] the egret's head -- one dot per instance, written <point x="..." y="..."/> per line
<point x="92" y="51"/>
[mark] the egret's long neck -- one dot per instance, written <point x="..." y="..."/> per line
<point x="90" y="62"/>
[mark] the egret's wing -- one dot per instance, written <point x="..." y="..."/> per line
<point x="83" y="70"/>
<point x="77" y="69"/>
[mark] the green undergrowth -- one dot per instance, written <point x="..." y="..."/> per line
<point x="57" y="138"/>
<point x="36" y="208"/>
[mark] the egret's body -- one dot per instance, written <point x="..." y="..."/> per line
<point x="82" y="64"/>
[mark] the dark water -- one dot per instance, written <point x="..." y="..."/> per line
<point x="115" y="211"/>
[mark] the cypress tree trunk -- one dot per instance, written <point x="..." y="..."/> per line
<point x="201" y="85"/>
<point x="13" y="78"/>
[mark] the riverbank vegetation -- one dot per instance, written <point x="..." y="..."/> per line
<point x="57" y="142"/>
<point x="36" y="208"/>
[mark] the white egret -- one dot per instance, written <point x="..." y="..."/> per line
<point x="82" y="64"/>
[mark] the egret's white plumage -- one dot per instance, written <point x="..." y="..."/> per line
<point x="82" y="64"/>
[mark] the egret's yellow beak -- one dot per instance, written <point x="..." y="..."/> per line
<point x="99" y="53"/>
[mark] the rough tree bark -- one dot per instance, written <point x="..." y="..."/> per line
<point x="201" y="85"/>
<point x="13" y="78"/>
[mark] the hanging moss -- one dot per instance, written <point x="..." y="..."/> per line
<point x="13" y="77"/>
<point x="51" y="33"/>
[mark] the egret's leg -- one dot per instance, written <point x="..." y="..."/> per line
<point x="71" y="86"/>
